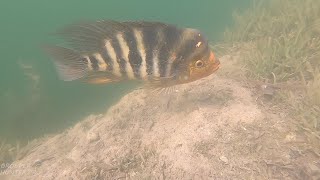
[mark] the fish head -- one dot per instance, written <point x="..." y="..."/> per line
<point x="201" y="63"/>
<point x="203" y="67"/>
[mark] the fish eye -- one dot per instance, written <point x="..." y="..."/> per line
<point x="199" y="64"/>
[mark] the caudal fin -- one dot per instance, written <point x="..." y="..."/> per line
<point x="70" y="65"/>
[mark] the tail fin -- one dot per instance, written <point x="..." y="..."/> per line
<point x="70" y="65"/>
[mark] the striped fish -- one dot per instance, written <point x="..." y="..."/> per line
<point x="106" y="51"/>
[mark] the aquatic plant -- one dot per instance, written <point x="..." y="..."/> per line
<point x="8" y="153"/>
<point x="279" y="41"/>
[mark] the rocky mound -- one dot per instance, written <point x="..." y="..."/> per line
<point x="209" y="129"/>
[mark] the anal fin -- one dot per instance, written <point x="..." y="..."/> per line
<point x="100" y="78"/>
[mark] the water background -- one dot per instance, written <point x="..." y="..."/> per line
<point x="33" y="101"/>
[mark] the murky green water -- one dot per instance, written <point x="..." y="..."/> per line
<point x="33" y="101"/>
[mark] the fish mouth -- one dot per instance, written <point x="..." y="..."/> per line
<point x="216" y="65"/>
<point x="215" y="62"/>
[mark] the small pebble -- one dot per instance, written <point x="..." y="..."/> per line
<point x="224" y="159"/>
<point x="291" y="137"/>
<point x="92" y="136"/>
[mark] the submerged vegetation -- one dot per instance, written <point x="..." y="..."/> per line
<point x="279" y="42"/>
<point x="8" y="153"/>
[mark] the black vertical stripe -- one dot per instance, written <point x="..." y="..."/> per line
<point x="183" y="55"/>
<point x="163" y="60"/>
<point x="107" y="59"/>
<point x="134" y="55"/>
<point x="150" y="40"/>
<point x="172" y="36"/>
<point x="122" y="62"/>
<point x="94" y="63"/>
<point x="188" y="49"/>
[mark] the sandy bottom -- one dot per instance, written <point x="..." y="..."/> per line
<point x="214" y="128"/>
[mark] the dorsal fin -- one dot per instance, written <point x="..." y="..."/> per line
<point x="91" y="36"/>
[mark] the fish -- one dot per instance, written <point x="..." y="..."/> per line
<point x="106" y="51"/>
